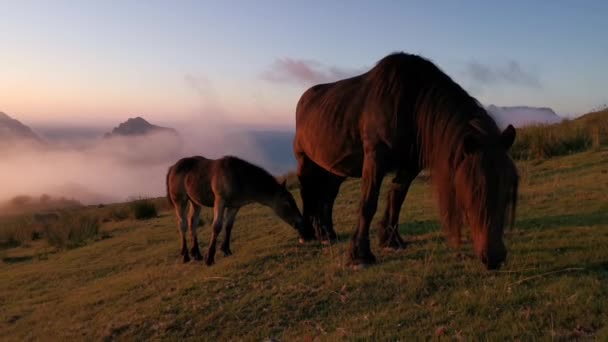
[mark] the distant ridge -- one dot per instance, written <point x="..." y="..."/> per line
<point x="13" y="131"/>
<point x="520" y="116"/>
<point x="138" y="126"/>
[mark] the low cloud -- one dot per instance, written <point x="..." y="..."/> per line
<point x="78" y="163"/>
<point x="305" y="72"/>
<point x="509" y="73"/>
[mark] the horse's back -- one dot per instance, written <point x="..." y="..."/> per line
<point x="328" y="120"/>
<point x="336" y="122"/>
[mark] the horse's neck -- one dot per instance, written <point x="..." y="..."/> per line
<point x="263" y="196"/>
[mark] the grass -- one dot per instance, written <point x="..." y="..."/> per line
<point x="570" y="136"/>
<point x="65" y="229"/>
<point x="132" y="286"/>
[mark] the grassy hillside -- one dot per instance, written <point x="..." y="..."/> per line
<point x="588" y="132"/>
<point x="131" y="285"/>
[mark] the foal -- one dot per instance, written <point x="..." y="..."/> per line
<point x="226" y="184"/>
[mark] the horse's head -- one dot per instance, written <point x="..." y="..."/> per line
<point x="286" y="208"/>
<point x="486" y="184"/>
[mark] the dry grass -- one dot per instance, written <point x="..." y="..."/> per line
<point x="133" y="286"/>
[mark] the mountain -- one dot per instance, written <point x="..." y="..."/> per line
<point x="137" y="141"/>
<point x="13" y="131"/>
<point x="520" y="116"/>
<point x="138" y="126"/>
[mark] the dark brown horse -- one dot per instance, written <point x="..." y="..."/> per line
<point x="405" y="115"/>
<point x="225" y="184"/>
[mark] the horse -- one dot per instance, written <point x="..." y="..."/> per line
<point x="404" y="115"/>
<point x="225" y="184"/>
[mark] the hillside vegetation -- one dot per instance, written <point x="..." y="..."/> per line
<point x="585" y="133"/>
<point x="128" y="282"/>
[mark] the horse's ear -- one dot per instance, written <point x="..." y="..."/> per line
<point x="284" y="183"/>
<point x="507" y="137"/>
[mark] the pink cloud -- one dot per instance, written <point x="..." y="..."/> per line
<point x="306" y="72"/>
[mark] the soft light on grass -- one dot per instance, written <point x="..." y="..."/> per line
<point x="133" y="285"/>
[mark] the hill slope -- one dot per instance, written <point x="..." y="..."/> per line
<point x="132" y="286"/>
<point x="520" y="116"/>
<point x="13" y="131"/>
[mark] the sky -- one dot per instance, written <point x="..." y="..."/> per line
<point x="247" y="62"/>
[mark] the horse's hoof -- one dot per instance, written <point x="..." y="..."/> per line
<point x="227" y="252"/>
<point x="358" y="267"/>
<point x="362" y="262"/>
<point x="186" y="259"/>
<point x="393" y="246"/>
<point x="209" y="260"/>
<point x="303" y="241"/>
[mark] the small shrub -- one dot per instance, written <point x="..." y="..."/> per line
<point x="18" y="231"/>
<point x="58" y="234"/>
<point x="119" y="214"/>
<point x="144" y="209"/>
<point x="72" y="230"/>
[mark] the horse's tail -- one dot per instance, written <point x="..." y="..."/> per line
<point x="167" y="184"/>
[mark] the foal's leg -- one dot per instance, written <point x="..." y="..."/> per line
<point x="360" y="252"/>
<point x="182" y="225"/>
<point x="230" y="217"/>
<point x="195" y="212"/>
<point x="218" y="218"/>
<point x="388" y="228"/>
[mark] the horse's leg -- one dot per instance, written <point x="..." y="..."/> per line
<point x="331" y="186"/>
<point x="360" y="252"/>
<point x="388" y="228"/>
<point x="218" y="218"/>
<point x="308" y="177"/>
<point x="195" y="212"/>
<point x="230" y="217"/>
<point x="182" y="226"/>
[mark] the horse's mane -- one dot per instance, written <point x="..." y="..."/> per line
<point x="447" y="120"/>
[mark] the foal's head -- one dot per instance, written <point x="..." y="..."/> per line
<point x="286" y="208"/>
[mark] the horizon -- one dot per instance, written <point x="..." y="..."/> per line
<point x="105" y="62"/>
